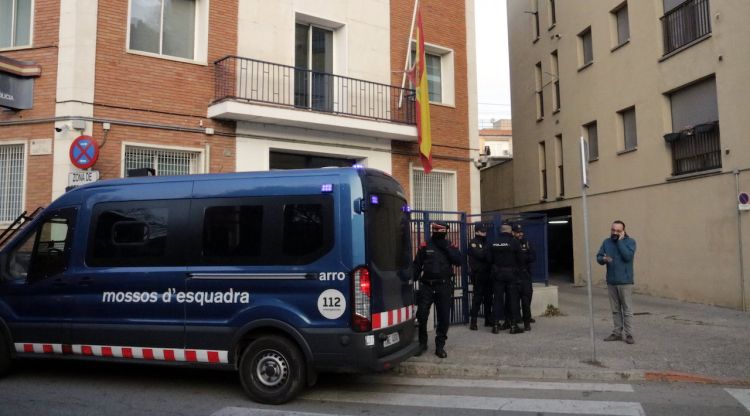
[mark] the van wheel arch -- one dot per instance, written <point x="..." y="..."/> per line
<point x="247" y="334"/>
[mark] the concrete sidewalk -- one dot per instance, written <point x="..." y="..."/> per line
<point x="675" y="341"/>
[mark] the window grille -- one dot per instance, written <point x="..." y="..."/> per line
<point x="11" y="181"/>
<point x="165" y="162"/>
<point x="433" y="192"/>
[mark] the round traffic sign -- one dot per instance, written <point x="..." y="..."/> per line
<point x="743" y="197"/>
<point x="84" y="152"/>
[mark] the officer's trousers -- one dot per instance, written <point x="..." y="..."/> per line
<point x="505" y="287"/>
<point x="526" y="290"/>
<point x="482" y="296"/>
<point x="441" y="294"/>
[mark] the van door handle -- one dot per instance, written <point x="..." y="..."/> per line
<point x="86" y="281"/>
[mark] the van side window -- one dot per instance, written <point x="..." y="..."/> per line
<point x="303" y="229"/>
<point x="44" y="253"/>
<point x="233" y="234"/>
<point x="136" y="233"/>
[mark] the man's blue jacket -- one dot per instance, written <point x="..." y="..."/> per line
<point x="620" y="270"/>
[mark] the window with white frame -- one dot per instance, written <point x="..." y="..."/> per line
<point x="15" y="23"/>
<point x="439" y="67"/>
<point x="174" y="28"/>
<point x="11" y="181"/>
<point x="166" y="162"/>
<point x="435" y="191"/>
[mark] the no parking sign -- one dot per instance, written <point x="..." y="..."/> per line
<point x="84" y="151"/>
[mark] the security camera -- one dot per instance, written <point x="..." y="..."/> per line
<point x="62" y="128"/>
<point x="58" y="129"/>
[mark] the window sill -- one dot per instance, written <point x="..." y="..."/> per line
<point x="535" y="40"/>
<point x="694" y="175"/>
<point x="596" y="159"/>
<point x="543" y="200"/>
<point x="539" y="119"/>
<point x="555" y="111"/>
<point x="626" y="151"/>
<point x="585" y="66"/>
<point x="16" y="48"/>
<point x="554" y="25"/>
<point x="683" y="47"/>
<point x="560" y="198"/>
<point x="443" y="104"/>
<point x="167" y="57"/>
<point x="620" y="45"/>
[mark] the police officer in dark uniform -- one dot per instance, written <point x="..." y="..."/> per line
<point x="526" y="288"/>
<point x="506" y="264"/>
<point x="479" y="267"/>
<point x="433" y="267"/>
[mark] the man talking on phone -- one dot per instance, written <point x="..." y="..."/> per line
<point x="617" y="253"/>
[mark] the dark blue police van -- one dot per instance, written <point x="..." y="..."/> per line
<point x="279" y="275"/>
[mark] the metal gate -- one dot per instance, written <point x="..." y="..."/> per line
<point x="461" y="231"/>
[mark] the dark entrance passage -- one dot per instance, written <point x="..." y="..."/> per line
<point x="281" y="160"/>
<point x="560" y="244"/>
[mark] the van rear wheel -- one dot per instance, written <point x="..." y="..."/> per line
<point x="272" y="370"/>
<point x="4" y="355"/>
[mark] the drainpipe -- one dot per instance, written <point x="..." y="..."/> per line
<point x="739" y="235"/>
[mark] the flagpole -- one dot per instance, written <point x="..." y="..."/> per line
<point x="408" y="50"/>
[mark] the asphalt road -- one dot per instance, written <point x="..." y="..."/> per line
<point x="84" y="388"/>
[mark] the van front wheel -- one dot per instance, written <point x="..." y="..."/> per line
<point x="272" y="370"/>
<point x="4" y="355"/>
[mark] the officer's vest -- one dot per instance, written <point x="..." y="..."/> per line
<point x="436" y="264"/>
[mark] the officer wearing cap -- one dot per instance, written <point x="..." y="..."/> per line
<point x="479" y="267"/>
<point x="526" y="287"/>
<point x="506" y="263"/>
<point x="433" y="267"/>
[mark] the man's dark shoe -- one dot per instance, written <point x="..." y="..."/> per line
<point x="527" y="326"/>
<point x="473" y="326"/>
<point x="515" y="329"/>
<point x="613" y="337"/>
<point x="421" y="350"/>
<point x="505" y="325"/>
<point x="532" y="320"/>
<point x="441" y="353"/>
<point x="495" y="329"/>
<point x="629" y="339"/>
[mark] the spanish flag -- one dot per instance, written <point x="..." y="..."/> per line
<point x="418" y="76"/>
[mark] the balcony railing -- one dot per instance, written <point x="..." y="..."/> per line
<point x="685" y="23"/>
<point x="265" y="82"/>
<point x="695" y="150"/>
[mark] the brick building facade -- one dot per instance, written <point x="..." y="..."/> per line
<point x="223" y="86"/>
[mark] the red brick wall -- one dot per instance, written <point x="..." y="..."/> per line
<point x="444" y="25"/>
<point x="144" y="89"/>
<point x="43" y="52"/>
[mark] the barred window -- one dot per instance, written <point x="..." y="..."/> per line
<point x="435" y="191"/>
<point x="11" y="181"/>
<point x="165" y="162"/>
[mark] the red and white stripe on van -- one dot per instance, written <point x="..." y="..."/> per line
<point x="138" y="353"/>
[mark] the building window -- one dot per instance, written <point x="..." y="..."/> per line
<point x="165" y="162"/>
<point x="629" y="131"/>
<point x="539" y="91"/>
<point x="439" y="65"/>
<point x="585" y="48"/>
<point x="684" y="21"/>
<point x="284" y="160"/>
<point x="559" y="163"/>
<point x="434" y="192"/>
<point x="12" y="170"/>
<point x="695" y="139"/>
<point x="556" y="82"/>
<point x="15" y="23"/>
<point x="622" y="24"/>
<point x="313" y="61"/>
<point x="174" y="28"/>
<point x="535" y="18"/>
<point x="543" y="169"/>
<point x="552" y="13"/>
<point x="592" y="137"/>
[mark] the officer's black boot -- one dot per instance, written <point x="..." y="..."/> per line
<point x="473" y="324"/>
<point x="495" y="329"/>
<point x="527" y="326"/>
<point x="515" y="329"/>
<point x="505" y="325"/>
<point x="421" y="350"/>
<point x="440" y="352"/>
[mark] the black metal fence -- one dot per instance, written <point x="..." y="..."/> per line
<point x="697" y="150"/>
<point x="685" y="23"/>
<point x="266" y="82"/>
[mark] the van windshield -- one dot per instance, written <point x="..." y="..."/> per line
<point x="388" y="232"/>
